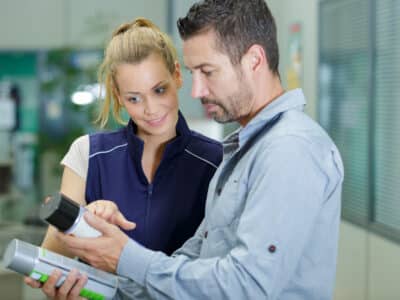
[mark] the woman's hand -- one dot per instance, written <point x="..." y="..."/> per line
<point x="108" y="211"/>
<point x="69" y="290"/>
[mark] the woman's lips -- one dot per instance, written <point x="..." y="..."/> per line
<point x="157" y="122"/>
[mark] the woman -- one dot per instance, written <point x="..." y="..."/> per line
<point x="155" y="169"/>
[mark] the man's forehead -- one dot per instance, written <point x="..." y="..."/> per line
<point x="200" y="49"/>
<point x="199" y="43"/>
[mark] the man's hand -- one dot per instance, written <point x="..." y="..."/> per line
<point x="102" y="252"/>
<point x="108" y="210"/>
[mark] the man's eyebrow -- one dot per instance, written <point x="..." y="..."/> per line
<point x="198" y="66"/>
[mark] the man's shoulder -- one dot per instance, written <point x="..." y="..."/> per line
<point x="300" y="127"/>
<point x="298" y="135"/>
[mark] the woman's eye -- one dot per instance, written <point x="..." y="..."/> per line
<point x="160" y="90"/>
<point x="135" y="99"/>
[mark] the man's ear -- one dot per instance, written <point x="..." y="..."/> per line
<point x="178" y="75"/>
<point x="254" y="58"/>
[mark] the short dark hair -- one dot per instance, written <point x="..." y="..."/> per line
<point x="238" y="24"/>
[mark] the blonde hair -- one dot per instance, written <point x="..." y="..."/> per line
<point x="131" y="43"/>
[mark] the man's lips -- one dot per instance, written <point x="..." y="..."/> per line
<point x="209" y="107"/>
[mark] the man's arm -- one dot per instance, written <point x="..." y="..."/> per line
<point x="287" y="189"/>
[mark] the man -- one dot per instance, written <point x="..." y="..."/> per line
<point x="273" y="206"/>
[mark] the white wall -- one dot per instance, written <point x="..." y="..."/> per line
<point x="31" y="24"/>
<point x="304" y="12"/>
<point x="26" y="24"/>
<point x="368" y="265"/>
<point x="44" y="24"/>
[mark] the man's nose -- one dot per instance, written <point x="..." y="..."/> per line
<point x="199" y="87"/>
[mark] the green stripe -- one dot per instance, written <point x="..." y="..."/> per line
<point x="90" y="295"/>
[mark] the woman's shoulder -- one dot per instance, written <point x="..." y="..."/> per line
<point x="81" y="143"/>
<point x="109" y="135"/>
<point x="103" y="141"/>
<point x="200" y="141"/>
<point x="205" y="147"/>
<point x="77" y="156"/>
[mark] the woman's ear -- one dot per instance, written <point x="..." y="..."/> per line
<point x="178" y="75"/>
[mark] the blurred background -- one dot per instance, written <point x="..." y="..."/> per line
<point x="345" y="54"/>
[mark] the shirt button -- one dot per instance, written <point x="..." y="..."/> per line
<point x="205" y="234"/>
<point x="272" y="248"/>
<point x="219" y="190"/>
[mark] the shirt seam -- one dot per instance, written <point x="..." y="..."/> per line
<point x="201" y="158"/>
<point x="107" y="151"/>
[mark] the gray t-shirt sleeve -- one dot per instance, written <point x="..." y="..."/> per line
<point x="77" y="157"/>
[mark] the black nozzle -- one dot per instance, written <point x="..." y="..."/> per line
<point x="60" y="211"/>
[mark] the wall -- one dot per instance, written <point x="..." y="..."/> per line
<point x="57" y="23"/>
<point x="368" y="265"/>
<point x="303" y="12"/>
<point x="88" y="24"/>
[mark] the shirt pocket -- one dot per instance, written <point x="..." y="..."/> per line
<point x="220" y="240"/>
<point x="228" y="204"/>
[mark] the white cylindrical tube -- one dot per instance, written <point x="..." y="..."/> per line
<point x="67" y="216"/>
<point x="38" y="263"/>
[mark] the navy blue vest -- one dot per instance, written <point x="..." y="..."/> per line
<point x="168" y="211"/>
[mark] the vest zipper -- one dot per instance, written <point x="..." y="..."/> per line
<point x="149" y="194"/>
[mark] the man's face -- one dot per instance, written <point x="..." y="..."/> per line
<point x="223" y="89"/>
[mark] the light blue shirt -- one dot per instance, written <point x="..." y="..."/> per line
<point x="270" y="233"/>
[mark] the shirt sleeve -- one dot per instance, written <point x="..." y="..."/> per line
<point x="286" y="189"/>
<point x="77" y="157"/>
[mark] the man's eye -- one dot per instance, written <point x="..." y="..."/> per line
<point x="207" y="73"/>
<point x="160" y="90"/>
<point x="135" y="99"/>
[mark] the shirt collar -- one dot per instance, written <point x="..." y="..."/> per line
<point x="175" y="146"/>
<point x="292" y="100"/>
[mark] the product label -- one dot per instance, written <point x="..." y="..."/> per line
<point x="88" y="294"/>
<point x="83" y="229"/>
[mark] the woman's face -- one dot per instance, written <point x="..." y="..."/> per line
<point x="149" y="93"/>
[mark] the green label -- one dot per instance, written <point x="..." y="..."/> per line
<point x="90" y="295"/>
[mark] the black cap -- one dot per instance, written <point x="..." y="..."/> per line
<point x="60" y="211"/>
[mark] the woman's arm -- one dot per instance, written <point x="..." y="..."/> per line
<point x="72" y="186"/>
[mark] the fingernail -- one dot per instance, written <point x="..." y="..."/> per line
<point x="55" y="272"/>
